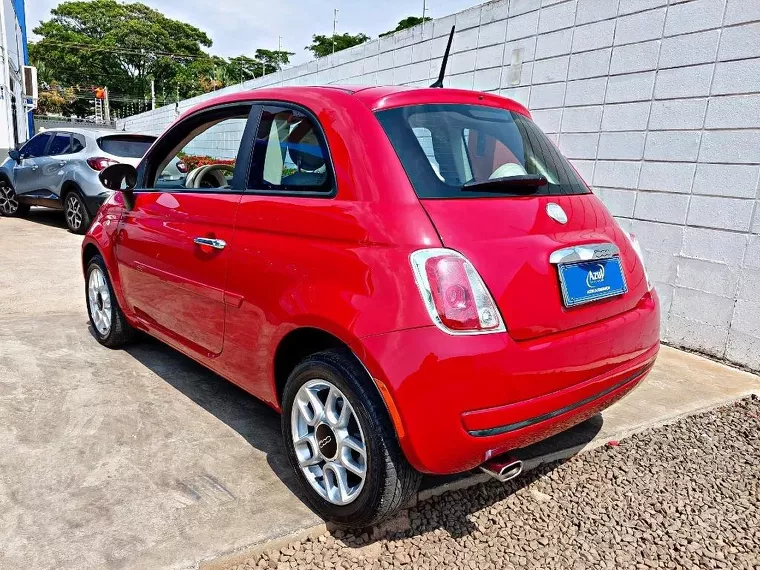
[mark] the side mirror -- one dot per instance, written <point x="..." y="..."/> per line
<point x="15" y="155"/>
<point x="120" y="178"/>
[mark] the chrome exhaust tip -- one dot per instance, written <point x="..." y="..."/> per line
<point x="503" y="468"/>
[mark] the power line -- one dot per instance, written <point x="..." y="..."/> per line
<point x="86" y="47"/>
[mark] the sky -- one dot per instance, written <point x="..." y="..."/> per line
<point x="240" y="26"/>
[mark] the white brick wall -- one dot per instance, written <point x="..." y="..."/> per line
<point x="657" y="104"/>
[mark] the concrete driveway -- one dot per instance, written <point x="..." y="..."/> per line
<point x="142" y="459"/>
<point x="116" y="459"/>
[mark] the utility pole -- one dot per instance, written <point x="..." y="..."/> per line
<point x="424" y="9"/>
<point x="335" y="27"/>
<point x="153" y="94"/>
<point x="106" y="107"/>
<point x="279" y="55"/>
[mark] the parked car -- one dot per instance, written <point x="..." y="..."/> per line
<point x="416" y="279"/>
<point x="59" y="168"/>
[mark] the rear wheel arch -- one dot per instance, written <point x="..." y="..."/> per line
<point x="67" y="189"/>
<point x="296" y="346"/>
<point x="300" y="343"/>
<point x="70" y="186"/>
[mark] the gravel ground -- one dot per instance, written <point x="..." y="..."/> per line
<point x="680" y="496"/>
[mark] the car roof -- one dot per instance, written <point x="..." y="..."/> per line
<point x="374" y="97"/>
<point x="95" y="133"/>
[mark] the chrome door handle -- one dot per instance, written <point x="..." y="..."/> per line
<point x="35" y="167"/>
<point x="62" y="163"/>
<point x="210" y="242"/>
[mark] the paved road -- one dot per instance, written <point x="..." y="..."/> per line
<point x="143" y="459"/>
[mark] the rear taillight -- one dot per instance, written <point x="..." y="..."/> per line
<point x="640" y="253"/>
<point x="454" y="294"/>
<point x="182" y="167"/>
<point x="100" y="162"/>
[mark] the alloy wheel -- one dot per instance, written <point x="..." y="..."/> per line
<point x="100" y="301"/>
<point x="74" y="212"/>
<point x="328" y="442"/>
<point x="8" y="200"/>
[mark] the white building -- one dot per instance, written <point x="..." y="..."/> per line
<point x="15" y="123"/>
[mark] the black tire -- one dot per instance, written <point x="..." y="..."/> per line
<point x="9" y="206"/>
<point x="120" y="331"/>
<point x="78" y="219"/>
<point x="391" y="481"/>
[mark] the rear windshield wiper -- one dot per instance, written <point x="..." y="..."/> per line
<point x="524" y="184"/>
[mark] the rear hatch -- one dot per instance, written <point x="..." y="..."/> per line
<point x="126" y="148"/>
<point x="490" y="181"/>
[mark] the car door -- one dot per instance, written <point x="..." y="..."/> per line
<point x="173" y="244"/>
<point x="275" y="265"/>
<point x="26" y="179"/>
<point x="51" y="166"/>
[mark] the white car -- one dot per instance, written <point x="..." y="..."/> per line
<point x="59" y="169"/>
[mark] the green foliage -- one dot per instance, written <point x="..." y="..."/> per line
<point x="125" y="46"/>
<point x="409" y="22"/>
<point x="272" y="59"/>
<point x="103" y="42"/>
<point x="55" y="99"/>
<point x="323" y="45"/>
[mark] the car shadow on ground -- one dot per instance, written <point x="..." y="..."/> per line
<point x="248" y="416"/>
<point x="47" y="217"/>
<point x="260" y="426"/>
<point x="540" y="460"/>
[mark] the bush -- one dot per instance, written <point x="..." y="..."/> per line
<point x="194" y="161"/>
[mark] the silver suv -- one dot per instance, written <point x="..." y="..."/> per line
<point x="59" y="169"/>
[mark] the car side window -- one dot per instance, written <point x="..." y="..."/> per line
<point x="206" y="157"/>
<point x="290" y="154"/>
<point x="35" y="146"/>
<point x="77" y="143"/>
<point x="61" y="145"/>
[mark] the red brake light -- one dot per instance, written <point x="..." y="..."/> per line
<point x="100" y="163"/>
<point x="454" y="294"/>
<point x="182" y="167"/>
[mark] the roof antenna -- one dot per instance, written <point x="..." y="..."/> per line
<point x="442" y="74"/>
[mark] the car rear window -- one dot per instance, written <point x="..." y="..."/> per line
<point x="127" y="146"/>
<point x="445" y="147"/>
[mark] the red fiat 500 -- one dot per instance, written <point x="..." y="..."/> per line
<point x="416" y="278"/>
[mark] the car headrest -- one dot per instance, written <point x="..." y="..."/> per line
<point x="306" y="153"/>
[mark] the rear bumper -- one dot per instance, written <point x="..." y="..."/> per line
<point x="459" y="401"/>
<point x="490" y="422"/>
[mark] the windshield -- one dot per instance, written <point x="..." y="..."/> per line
<point x="450" y="150"/>
<point x="126" y="146"/>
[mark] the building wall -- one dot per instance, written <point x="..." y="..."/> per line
<point x="656" y="103"/>
<point x="13" y="52"/>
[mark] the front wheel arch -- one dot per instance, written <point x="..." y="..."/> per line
<point x="22" y="209"/>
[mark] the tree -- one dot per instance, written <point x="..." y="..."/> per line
<point x="54" y="99"/>
<point x="243" y="68"/>
<point x="409" y="22"/>
<point x="123" y="46"/>
<point x="323" y="45"/>
<point x="272" y="60"/>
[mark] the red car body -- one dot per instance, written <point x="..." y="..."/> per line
<point x="303" y="268"/>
